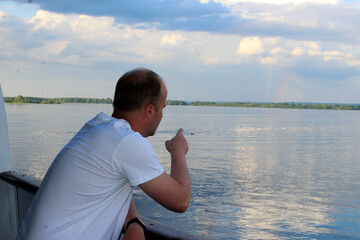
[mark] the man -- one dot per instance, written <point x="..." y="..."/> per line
<point x="87" y="191"/>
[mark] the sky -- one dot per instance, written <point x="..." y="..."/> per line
<point x="207" y="50"/>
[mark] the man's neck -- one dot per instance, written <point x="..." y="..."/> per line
<point x="134" y="118"/>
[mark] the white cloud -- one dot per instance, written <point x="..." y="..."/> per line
<point x="250" y="46"/>
<point x="332" y="55"/>
<point x="313" y="45"/>
<point x="271" y="40"/>
<point x="49" y="49"/>
<point x="285" y="41"/>
<point x="354" y="63"/>
<point x="172" y="39"/>
<point x="336" y="55"/>
<point x="268" y="60"/>
<point x="210" y="60"/>
<point x="289" y="53"/>
<point x="278" y="50"/>
<point x="298" y="51"/>
<point x="313" y="52"/>
<point x="48" y="20"/>
<point x="81" y="39"/>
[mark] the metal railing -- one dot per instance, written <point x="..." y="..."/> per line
<point x="26" y="187"/>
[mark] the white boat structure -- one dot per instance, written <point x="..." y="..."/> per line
<point x="17" y="191"/>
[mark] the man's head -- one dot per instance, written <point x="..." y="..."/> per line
<point x="140" y="97"/>
<point x="136" y="88"/>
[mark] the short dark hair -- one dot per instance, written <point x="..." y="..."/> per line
<point x="136" y="88"/>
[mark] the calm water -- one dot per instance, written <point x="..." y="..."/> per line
<point x="256" y="173"/>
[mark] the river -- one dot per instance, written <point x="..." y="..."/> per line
<point x="256" y="173"/>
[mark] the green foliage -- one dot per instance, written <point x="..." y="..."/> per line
<point x="176" y="102"/>
<point x="280" y="105"/>
<point x="21" y="99"/>
<point x="325" y="106"/>
<point x="201" y="103"/>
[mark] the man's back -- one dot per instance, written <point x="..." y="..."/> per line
<point x="88" y="188"/>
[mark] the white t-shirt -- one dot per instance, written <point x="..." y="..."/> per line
<point x="88" y="188"/>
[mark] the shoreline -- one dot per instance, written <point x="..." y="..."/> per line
<point x="287" y="105"/>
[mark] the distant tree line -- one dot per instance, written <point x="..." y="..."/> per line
<point x="333" y="106"/>
<point x="270" y="105"/>
<point x="21" y="99"/>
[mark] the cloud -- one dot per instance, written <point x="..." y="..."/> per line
<point x="135" y="11"/>
<point x="346" y="57"/>
<point x="327" y="71"/>
<point x="354" y="63"/>
<point x="308" y="20"/>
<point x="278" y="50"/>
<point x="332" y="55"/>
<point x="250" y="46"/>
<point x="298" y="51"/>
<point x="311" y="40"/>
<point x="276" y="2"/>
<point x="84" y="39"/>
<point x="75" y="39"/>
<point x="313" y="45"/>
<point x="210" y="60"/>
<point x="268" y="60"/>
<point x="49" y="50"/>
<point x="172" y="39"/>
<point x="313" y="52"/>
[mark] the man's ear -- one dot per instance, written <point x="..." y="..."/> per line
<point x="149" y="110"/>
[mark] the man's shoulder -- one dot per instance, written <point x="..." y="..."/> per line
<point x="103" y="122"/>
<point x="135" y="143"/>
<point x="135" y="138"/>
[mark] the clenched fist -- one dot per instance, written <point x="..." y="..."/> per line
<point x="178" y="144"/>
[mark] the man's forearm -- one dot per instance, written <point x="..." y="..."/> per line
<point x="178" y="148"/>
<point x="134" y="231"/>
<point x="132" y="213"/>
<point x="180" y="172"/>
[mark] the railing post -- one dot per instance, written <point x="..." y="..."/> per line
<point x="9" y="218"/>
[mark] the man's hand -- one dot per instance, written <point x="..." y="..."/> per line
<point x="178" y="144"/>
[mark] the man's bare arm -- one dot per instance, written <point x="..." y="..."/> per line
<point x="172" y="191"/>
<point x="134" y="231"/>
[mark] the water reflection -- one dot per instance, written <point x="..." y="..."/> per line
<point x="284" y="180"/>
